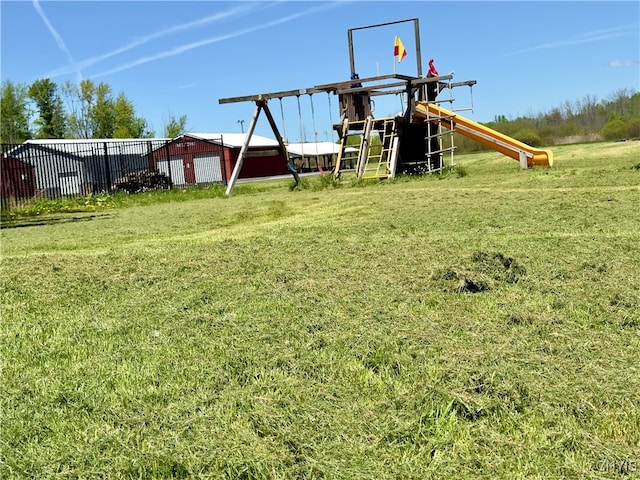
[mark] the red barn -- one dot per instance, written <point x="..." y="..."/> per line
<point x="201" y="158"/>
<point x="17" y="179"/>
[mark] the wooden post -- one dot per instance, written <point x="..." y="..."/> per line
<point x="522" y="158"/>
<point x="344" y="136"/>
<point x="363" y="156"/>
<point x="243" y="150"/>
<point x="393" y="163"/>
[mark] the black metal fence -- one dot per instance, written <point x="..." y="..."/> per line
<point x="59" y="168"/>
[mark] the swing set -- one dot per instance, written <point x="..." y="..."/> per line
<point x="408" y="143"/>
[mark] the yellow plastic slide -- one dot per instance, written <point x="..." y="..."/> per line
<point x="525" y="154"/>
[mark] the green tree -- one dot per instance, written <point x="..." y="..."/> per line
<point x="614" y="129"/>
<point x="51" y="122"/>
<point x="175" y="127"/>
<point x="14" y="121"/>
<point x="103" y="112"/>
<point x="633" y="127"/>
<point x="528" y="136"/>
<point x="95" y="113"/>
<point x="127" y="125"/>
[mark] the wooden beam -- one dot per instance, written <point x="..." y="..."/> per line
<point x="347" y="83"/>
<point x="243" y="150"/>
<point x="267" y="96"/>
<point x="469" y="83"/>
<point x="317" y="89"/>
<point x="370" y="88"/>
<point x="414" y="82"/>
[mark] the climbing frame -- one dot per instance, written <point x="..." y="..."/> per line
<point x="378" y="160"/>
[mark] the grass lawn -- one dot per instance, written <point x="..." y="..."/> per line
<point x="479" y="324"/>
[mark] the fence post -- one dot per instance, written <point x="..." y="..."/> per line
<point x="223" y="167"/>
<point x="166" y="150"/>
<point x="149" y="156"/>
<point x="107" y="167"/>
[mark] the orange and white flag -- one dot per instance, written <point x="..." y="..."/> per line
<point x="398" y="50"/>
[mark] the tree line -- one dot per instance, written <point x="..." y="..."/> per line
<point x="87" y="109"/>
<point x="45" y="109"/>
<point x="614" y="118"/>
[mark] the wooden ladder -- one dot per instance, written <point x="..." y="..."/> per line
<point x="378" y="161"/>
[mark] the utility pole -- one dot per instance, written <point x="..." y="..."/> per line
<point x="241" y="122"/>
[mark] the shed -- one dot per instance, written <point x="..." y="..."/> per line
<point x="202" y="158"/>
<point x="17" y="179"/>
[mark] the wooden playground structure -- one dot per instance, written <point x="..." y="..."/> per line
<point x="408" y="143"/>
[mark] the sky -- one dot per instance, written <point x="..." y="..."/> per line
<point x="174" y="58"/>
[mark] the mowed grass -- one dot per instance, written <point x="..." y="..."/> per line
<point x="484" y="325"/>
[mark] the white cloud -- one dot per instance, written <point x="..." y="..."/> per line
<point x="624" y="63"/>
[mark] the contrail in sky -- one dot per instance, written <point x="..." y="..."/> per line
<point x="190" y="46"/>
<point x="624" y="63"/>
<point x="58" y="39"/>
<point x="584" y="38"/>
<point x="167" y="31"/>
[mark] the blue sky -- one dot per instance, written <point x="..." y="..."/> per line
<point x="180" y="57"/>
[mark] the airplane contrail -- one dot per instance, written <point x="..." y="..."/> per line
<point x="624" y="63"/>
<point x="584" y="38"/>
<point x="237" y="10"/>
<point x="190" y="46"/>
<point x="59" y="41"/>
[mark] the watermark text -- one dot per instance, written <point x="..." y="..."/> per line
<point x="625" y="466"/>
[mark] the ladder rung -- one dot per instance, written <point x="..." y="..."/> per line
<point x="435" y="118"/>
<point x="433" y="152"/>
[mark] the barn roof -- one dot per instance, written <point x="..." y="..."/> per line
<point x="311" y="148"/>
<point x="234" y="140"/>
<point x="92" y="140"/>
<point x="87" y="146"/>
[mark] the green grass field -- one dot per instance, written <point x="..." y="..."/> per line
<point x="480" y="324"/>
